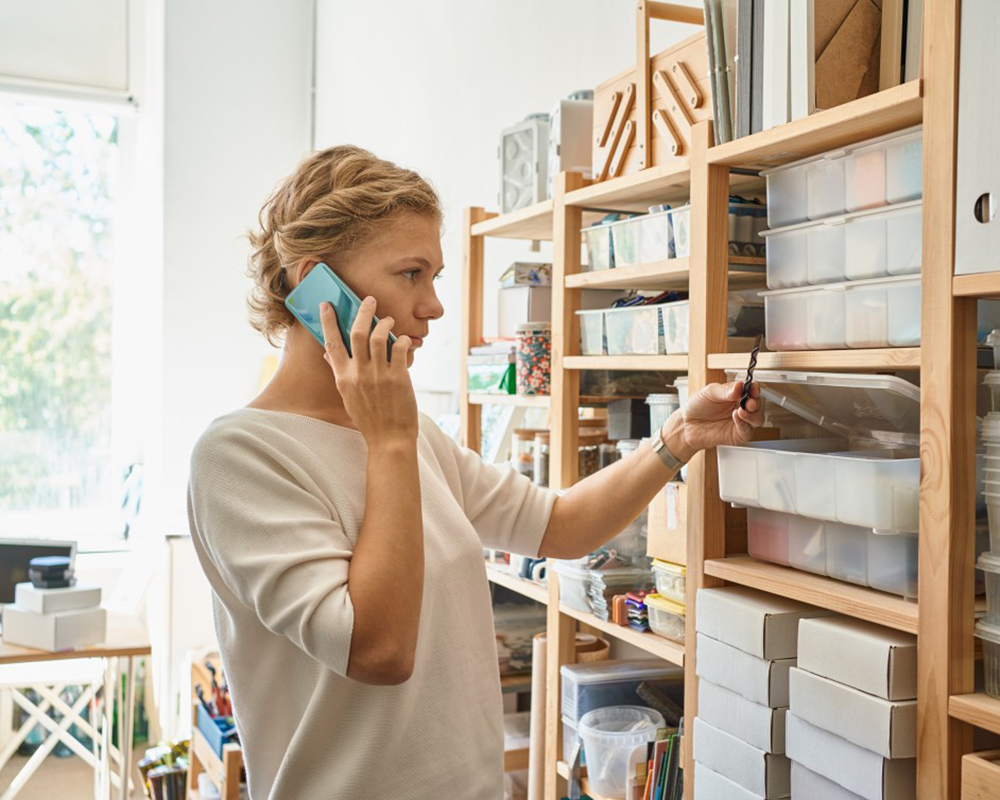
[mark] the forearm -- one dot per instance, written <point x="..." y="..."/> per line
<point x="605" y="503"/>
<point x="389" y="556"/>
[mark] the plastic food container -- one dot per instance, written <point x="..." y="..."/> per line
<point x="868" y="244"/>
<point x="634" y="330"/>
<point x="878" y="313"/>
<point x="834" y="479"/>
<point x="606" y="683"/>
<point x="599" y="252"/>
<point x="885" y="170"/>
<point x="990" y="635"/>
<point x="592" y="332"/>
<point x="609" y="736"/>
<point x="989" y="563"/>
<point x="666" y="617"/>
<point x="675" y="327"/>
<point x="574" y="585"/>
<point x="661" y="406"/>
<point x="671" y="580"/>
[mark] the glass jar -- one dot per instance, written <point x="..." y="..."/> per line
<point x="588" y="453"/>
<point x="627" y="446"/>
<point x="607" y="454"/>
<point x="541" y="465"/>
<point x="523" y="451"/>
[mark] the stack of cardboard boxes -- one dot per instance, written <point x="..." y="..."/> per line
<point x="747" y="645"/>
<point x="54" y="619"/>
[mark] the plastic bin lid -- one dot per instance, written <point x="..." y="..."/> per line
<point x="664" y="399"/>
<point x="610" y="671"/>
<point x="847" y="286"/>
<point x="669" y="566"/>
<point x="658" y="601"/>
<point x="838" y="153"/>
<point x="880" y="407"/>
<point x="988" y="631"/>
<point x="894" y="210"/>
<point x="993" y="339"/>
<point x="992" y="378"/>
<point x="989" y="562"/>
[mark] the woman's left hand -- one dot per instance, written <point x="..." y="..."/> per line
<point x="713" y="417"/>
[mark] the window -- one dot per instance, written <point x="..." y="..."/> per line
<point x="59" y="203"/>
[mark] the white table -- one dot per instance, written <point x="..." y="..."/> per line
<point x="46" y="673"/>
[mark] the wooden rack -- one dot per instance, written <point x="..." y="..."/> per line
<point x="225" y="772"/>
<point x="943" y="617"/>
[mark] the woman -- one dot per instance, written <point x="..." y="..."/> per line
<point x="342" y="532"/>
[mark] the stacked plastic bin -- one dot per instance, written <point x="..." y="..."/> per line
<point x="843" y="251"/>
<point x="747" y="644"/>
<point x="988" y="628"/>
<point x="852" y="719"/>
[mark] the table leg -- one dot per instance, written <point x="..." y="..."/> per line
<point x="125" y="714"/>
<point x="108" y="717"/>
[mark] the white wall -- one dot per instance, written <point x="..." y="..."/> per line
<point x="236" y="82"/>
<point x="430" y="85"/>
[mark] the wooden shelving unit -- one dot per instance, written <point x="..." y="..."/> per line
<point x="502" y="575"/>
<point x="521" y="400"/>
<point x="943" y="617"/>
<point x="663" y="275"/>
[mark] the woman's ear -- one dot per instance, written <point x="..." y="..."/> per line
<point x="303" y="267"/>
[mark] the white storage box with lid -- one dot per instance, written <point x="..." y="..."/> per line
<point x="671" y="580"/>
<point x="599" y="252"/>
<point x="868" y="244"/>
<point x="634" y="330"/>
<point x="642" y="239"/>
<point x="666" y="617"/>
<point x="868" y="476"/>
<point x="661" y="406"/>
<point x="884" y="312"/>
<point x="592" y="342"/>
<point x="888" y="169"/>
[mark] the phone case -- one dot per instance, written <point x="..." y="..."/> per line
<point x="323" y="285"/>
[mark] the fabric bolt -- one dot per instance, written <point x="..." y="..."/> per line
<point x="275" y="503"/>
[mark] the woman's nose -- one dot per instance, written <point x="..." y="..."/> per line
<point x="432" y="309"/>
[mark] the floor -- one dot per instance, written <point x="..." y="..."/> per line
<point x="63" y="778"/>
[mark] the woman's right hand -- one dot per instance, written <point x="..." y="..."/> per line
<point x="378" y="394"/>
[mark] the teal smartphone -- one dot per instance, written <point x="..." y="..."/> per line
<point x="323" y="285"/>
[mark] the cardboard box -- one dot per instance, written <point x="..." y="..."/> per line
<point x="709" y="785"/>
<point x="521" y="304"/>
<point x="763" y="682"/>
<point x="732" y="713"/>
<point x="882" y="726"/>
<point x="59" y="631"/>
<point x="46" y="601"/>
<point x="852" y="767"/>
<point x="667" y="525"/>
<point x="870" y="658"/>
<point x="806" y="783"/>
<point x="763" y="625"/>
<point x="763" y="774"/>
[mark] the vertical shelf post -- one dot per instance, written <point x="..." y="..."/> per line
<point x="709" y="286"/>
<point x="947" y="430"/>
<point x="473" y="258"/>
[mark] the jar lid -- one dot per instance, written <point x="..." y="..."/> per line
<point x="590" y="439"/>
<point x="542" y="435"/>
<point x="669" y="566"/>
<point x="662" y="603"/>
<point x="525" y="327"/>
<point x="528" y="433"/>
<point x="992" y="378"/>
<point x="989" y="562"/>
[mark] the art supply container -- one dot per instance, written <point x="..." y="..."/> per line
<point x="534" y="358"/>
<point x="666" y="617"/>
<point x="989" y="563"/>
<point x="767" y="536"/>
<point x="661" y="406"/>
<point x="610" y="735"/>
<point x="989" y="634"/>
<point x="676" y="326"/>
<point x="634" y="330"/>
<point x="671" y="580"/>
<point x="599" y="251"/>
<point x="574" y="585"/>
<point x="888" y="169"/>
<point x="592" y="332"/>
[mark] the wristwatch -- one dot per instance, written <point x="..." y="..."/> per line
<point x="661" y="449"/>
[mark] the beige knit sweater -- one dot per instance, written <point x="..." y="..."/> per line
<point x="275" y="503"/>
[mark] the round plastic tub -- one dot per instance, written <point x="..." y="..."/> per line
<point x="661" y="406"/>
<point x="990" y="636"/>
<point x="666" y="618"/>
<point x="993" y="340"/>
<point x="993" y="515"/>
<point x="609" y="736"/>
<point x="574" y="585"/>
<point x="671" y="580"/>
<point x="989" y="563"/>
<point x="992" y="380"/>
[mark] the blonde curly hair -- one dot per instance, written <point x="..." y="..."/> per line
<point x="332" y="203"/>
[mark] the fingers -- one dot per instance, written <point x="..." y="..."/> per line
<point x="399" y="351"/>
<point x="333" y="343"/>
<point x="379" y="341"/>
<point x="361" y="330"/>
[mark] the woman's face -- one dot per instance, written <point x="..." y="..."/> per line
<point x="398" y="266"/>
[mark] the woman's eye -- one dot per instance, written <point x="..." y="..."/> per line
<point x="411" y="274"/>
<point x="439" y="276"/>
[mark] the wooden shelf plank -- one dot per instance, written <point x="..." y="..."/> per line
<point x="877" y="114"/>
<point x="563" y="769"/>
<point x="887" y="358"/>
<point x="650" y="642"/>
<point x="984" y="284"/>
<point x="670" y="274"/>
<point x="504" y="576"/>
<point x="845" y="598"/>
<point x="522" y="400"/>
<point x="668" y="363"/>
<point x="533" y="222"/>
<point x="977" y="709"/>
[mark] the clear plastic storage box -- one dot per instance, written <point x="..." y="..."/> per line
<point x="592" y="341"/>
<point x="671" y="580"/>
<point x="608" y="683"/>
<point x="869" y="244"/>
<point x="599" y="252"/>
<point x="989" y="563"/>
<point x="885" y="170"/>
<point x="884" y="312"/>
<point x="868" y="475"/>
<point x="634" y="330"/>
<point x="666" y="617"/>
<point x="989" y="634"/>
<point x="574" y="584"/>
<point x="643" y="239"/>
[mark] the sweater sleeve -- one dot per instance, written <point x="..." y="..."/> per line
<point x="275" y="545"/>
<point x="508" y="511"/>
